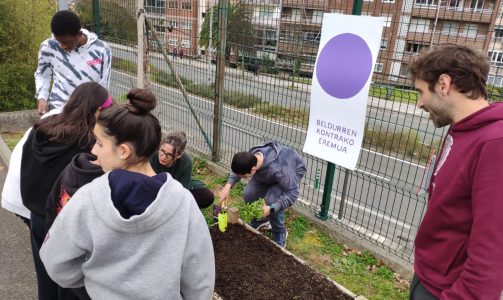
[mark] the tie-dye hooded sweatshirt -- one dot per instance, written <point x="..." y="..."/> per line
<point x="89" y="63"/>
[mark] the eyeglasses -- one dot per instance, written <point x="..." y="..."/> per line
<point x="166" y="154"/>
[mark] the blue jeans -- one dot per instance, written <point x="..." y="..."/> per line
<point x="255" y="190"/>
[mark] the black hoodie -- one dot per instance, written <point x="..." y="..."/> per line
<point x="42" y="162"/>
<point x="79" y="172"/>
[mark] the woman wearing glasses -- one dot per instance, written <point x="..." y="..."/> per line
<point x="172" y="158"/>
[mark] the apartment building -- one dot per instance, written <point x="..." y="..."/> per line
<point x="265" y="16"/>
<point x="299" y="34"/>
<point x="410" y="25"/>
<point x="177" y="22"/>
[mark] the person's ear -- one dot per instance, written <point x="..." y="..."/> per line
<point x="125" y="151"/>
<point x="444" y="81"/>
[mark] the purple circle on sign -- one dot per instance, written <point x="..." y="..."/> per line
<point x="344" y="65"/>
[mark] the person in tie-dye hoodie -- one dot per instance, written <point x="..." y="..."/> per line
<point x="72" y="56"/>
<point x="275" y="171"/>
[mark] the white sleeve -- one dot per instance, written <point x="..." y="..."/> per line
<point x="11" y="193"/>
<point x="43" y="74"/>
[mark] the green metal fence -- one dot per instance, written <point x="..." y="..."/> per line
<point x="259" y="61"/>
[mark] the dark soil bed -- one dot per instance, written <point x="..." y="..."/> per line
<point x="250" y="266"/>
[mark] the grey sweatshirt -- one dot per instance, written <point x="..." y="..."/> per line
<point x="163" y="253"/>
<point x="283" y="167"/>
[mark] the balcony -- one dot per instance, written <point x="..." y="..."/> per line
<point x="464" y="14"/>
<point x="292" y="47"/>
<point x="306" y="4"/>
<point x="440" y="37"/>
<point x="152" y="10"/>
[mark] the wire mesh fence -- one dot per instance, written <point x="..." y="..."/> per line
<point x="269" y="49"/>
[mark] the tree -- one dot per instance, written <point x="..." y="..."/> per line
<point x="24" y="24"/>
<point x="240" y="32"/>
<point x="116" y="21"/>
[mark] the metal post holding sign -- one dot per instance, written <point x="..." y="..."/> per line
<point x="329" y="178"/>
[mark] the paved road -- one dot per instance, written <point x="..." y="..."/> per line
<point x="17" y="274"/>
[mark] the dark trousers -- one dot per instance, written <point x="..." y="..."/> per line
<point x="418" y="291"/>
<point x="48" y="289"/>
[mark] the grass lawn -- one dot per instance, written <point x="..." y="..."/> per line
<point x="11" y="138"/>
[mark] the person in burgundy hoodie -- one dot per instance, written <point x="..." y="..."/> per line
<point x="459" y="245"/>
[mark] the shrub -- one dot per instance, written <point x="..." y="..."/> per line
<point x="17" y="87"/>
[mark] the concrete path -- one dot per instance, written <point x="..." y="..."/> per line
<point x="17" y="274"/>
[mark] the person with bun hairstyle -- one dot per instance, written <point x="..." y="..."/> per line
<point x="131" y="233"/>
<point x="172" y="158"/>
<point x="49" y="147"/>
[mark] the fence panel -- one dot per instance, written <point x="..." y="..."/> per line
<point x="270" y="53"/>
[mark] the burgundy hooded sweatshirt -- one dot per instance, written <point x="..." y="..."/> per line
<point x="459" y="245"/>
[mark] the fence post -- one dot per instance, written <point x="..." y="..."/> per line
<point x="219" y="79"/>
<point x="329" y="178"/>
<point x="143" y="64"/>
<point x="96" y="16"/>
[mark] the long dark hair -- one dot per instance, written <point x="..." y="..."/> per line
<point x="133" y="123"/>
<point x="75" y="123"/>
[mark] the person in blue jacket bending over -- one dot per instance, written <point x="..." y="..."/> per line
<point x="275" y="172"/>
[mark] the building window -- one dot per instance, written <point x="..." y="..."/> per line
<point x="387" y="21"/>
<point x="172" y="42"/>
<point x="498" y="33"/>
<point x="186" y="5"/>
<point x="265" y="13"/>
<point x="453" y="4"/>
<point x="311" y="36"/>
<point x="470" y="30"/>
<point x="495" y="80"/>
<point x="317" y="16"/>
<point x="477" y="5"/>
<point x="414" y="47"/>
<point x="155" y="3"/>
<point x="384" y="44"/>
<point x="425" y="2"/>
<point x="185" y="44"/>
<point x="450" y="27"/>
<point x="419" y="25"/>
<point x="186" y="25"/>
<point x="496" y="58"/>
<point x="173" y="24"/>
<point x="173" y="4"/>
<point x="404" y="70"/>
<point x="378" y="67"/>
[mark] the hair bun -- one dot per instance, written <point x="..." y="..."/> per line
<point x="141" y="101"/>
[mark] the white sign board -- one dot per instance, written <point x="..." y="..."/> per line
<point x="346" y="57"/>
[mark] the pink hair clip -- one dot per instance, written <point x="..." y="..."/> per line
<point x="107" y="103"/>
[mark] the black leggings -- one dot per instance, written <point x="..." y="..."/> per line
<point x="204" y="197"/>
